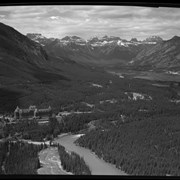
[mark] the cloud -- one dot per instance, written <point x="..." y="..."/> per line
<point x="54" y="17"/>
<point x="87" y="21"/>
<point x="2" y="15"/>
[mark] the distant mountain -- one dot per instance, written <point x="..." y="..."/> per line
<point x="153" y="52"/>
<point x="104" y="39"/>
<point x="134" y="40"/>
<point x="153" y="39"/>
<point x="35" y="73"/>
<point x="22" y="59"/>
<point x="35" y="36"/>
<point x="18" y="53"/>
<point x="39" y="38"/>
<point x="17" y="45"/>
<point x="72" y="39"/>
<point x="106" y="50"/>
<point x="165" y="54"/>
<point x="29" y="75"/>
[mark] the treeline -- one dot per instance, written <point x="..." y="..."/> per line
<point x="124" y="112"/>
<point x="19" y="157"/>
<point x="72" y="162"/>
<point x="3" y="152"/>
<point x="160" y="104"/>
<point x="147" y="147"/>
<point x="75" y="122"/>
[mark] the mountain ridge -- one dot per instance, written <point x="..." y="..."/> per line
<point x="99" y="51"/>
<point x="165" y="54"/>
<point x="95" y="38"/>
<point x="153" y="52"/>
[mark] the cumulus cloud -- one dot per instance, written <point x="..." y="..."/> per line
<point x="87" y="21"/>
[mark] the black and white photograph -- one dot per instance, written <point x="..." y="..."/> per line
<point x="89" y="90"/>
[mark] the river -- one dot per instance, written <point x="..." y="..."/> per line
<point x="50" y="161"/>
<point x="96" y="165"/>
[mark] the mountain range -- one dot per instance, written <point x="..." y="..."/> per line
<point x="31" y="75"/>
<point x="28" y="57"/>
<point x="163" y="55"/>
<point x="70" y="75"/>
<point x="153" y="52"/>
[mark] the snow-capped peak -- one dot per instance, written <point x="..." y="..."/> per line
<point x="120" y="43"/>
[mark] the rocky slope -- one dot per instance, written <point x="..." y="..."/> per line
<point x="21" y="59"/>
<point x="29" y="76"/>
<point x="16" y="45"/>
<point x="165" y="54"/>
<point x="39" y="38"/>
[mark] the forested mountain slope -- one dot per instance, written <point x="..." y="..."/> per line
<point x="163" y="55"/>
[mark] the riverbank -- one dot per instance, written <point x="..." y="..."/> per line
<point x="50" y="161"/>
<point x="96" y="165"/>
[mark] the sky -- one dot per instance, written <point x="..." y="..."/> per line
<point x="88" y="21"/>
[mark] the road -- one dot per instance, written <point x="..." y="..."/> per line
<point x="49" y="158"/>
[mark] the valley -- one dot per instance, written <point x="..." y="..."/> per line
<point x="109" y="89"/>
<point x="152" y="75"/>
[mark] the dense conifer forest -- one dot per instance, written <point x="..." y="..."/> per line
<point x="19" y="157"/>
<point x="32" y="130"/>
<point x="72" y="162"/>
<point x="146" y="147"/>
<point x="139" y="136"/>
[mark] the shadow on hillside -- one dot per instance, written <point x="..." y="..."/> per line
<point x="8" y="100"/>
<point x="47" y="77"/>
